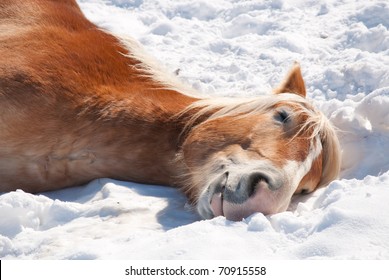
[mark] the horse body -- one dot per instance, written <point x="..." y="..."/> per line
<point x="77" y="103"/>
<point x="73" y="108"/>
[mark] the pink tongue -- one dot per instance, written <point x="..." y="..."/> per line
<point x="217" y="205"/>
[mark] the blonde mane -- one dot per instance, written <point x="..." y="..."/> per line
<point x="152" y="69"/>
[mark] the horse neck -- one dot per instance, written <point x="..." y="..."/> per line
<point x="143" y="131"/>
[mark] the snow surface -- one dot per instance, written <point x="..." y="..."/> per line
<point x="236" y="48"/>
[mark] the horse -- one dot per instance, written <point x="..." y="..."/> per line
<point x="79" y="103"/>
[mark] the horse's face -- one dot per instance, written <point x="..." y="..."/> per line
<point x="254" y="162"/>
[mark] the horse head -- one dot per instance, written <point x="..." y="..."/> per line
<point x="253" y="155"/>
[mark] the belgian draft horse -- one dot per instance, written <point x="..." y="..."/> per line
<point x="78" y="103"/>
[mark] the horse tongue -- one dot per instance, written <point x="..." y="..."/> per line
<point x="217" y="204"/>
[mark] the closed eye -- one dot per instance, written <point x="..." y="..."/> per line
<point x="282" y="116"/>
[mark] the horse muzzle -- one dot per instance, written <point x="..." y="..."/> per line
<point x="237" y="196"/>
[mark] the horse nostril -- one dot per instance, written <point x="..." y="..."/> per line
<point x="224" y="179"/>
<point x="253" y="180"/>
<point x="219" y="183"/>
<point x="239" y="189"/>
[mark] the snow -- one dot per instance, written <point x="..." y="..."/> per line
<point x="236" y="48"/>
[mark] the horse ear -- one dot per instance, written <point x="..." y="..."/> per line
<point x="293" y="83"/>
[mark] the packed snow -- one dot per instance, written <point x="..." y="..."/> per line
<point x="236" y="48"/>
